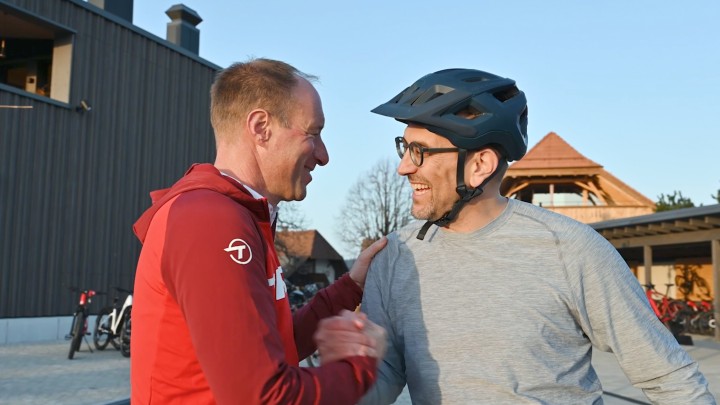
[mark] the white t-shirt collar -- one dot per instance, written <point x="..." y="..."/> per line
<point x="271" y="208"/>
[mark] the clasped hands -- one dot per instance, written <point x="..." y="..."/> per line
<point x="350" y="334"/>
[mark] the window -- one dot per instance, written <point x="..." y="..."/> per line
<point x="35" y="55"/>
<point x="558" y="195"/>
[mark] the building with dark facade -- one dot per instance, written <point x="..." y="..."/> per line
<point x="94" y="114"/>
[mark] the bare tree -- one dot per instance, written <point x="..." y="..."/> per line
<point x="377" y="204"/>
<point x="290" y="217"/>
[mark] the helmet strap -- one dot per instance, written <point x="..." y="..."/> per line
<point x="466" y="194"/>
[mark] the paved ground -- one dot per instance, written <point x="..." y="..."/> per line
<point x="40" y="373"/>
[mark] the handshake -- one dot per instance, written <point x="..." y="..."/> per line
<point x="349" y="334"/>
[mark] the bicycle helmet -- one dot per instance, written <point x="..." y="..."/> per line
<point x="440" y="102"/>
<point x="472" y="109"/>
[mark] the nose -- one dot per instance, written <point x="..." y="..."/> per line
<point x="406" y="165"/>
<point x="321" y="153"/>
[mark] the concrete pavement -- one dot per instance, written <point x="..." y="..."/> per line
<point x="40" y="373"/>
<point x="705" y="351"/>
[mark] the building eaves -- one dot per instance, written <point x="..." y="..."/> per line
<point x="687" y="225"/>
<point x="673" y="215"/>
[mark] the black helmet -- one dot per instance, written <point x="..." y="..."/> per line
<point x="470" y="108"/>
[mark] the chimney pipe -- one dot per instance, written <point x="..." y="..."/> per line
<point x="120" y="8"/>
<point x="181" y="30"/>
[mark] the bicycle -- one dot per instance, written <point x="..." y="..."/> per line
<point x="78" y="329"/>
<point x="700" y="317"/>
<point x="669" y="312"/>
<point x="665" y="308"/>
<point x="299" y="296"/>
<point x="113" y="324"/>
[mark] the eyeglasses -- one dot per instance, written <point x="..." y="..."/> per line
<point x="417" y="152"/>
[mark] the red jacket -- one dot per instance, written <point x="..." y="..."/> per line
<point x="211" y="318"/>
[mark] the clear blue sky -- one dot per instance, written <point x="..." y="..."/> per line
<point x="632" y="85"/>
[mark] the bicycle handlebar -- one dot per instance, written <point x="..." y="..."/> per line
<point x="120" y="289"/>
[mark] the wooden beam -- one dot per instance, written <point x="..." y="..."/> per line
<point x="637" y="230"/>
<point x="712" y="220"/>
<point x="700" y="223"/>
<point x="644" y="230"/>
<point x="517" y="188"/>
<point x="686" y="225"/>
<point x="629" y="231"/>
<point x="672" y="227"/>
<point x="647" y="261"/>
<point x="658" y="229"/>
<point x="667" y="239"/>
<point x="583" y="185"/>
<point x="601" y="195"/>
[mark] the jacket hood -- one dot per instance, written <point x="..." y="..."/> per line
<point x="200" y="176"/>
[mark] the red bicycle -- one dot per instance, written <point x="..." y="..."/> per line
<point x="669" y="312"/>
<point x="79" y="327"/>
<point x="700" y="317"/>
<point x="665" y="308"/>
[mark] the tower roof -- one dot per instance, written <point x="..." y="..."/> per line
<point x="553" y="152"/>
<point x="558" y="177"/>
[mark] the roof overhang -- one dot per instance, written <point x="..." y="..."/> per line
<point x="682" y="226"/>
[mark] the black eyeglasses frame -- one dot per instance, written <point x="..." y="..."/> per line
<point x="402" y="146"/>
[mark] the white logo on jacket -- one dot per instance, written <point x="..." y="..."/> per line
<point x="244" y="254"/>
<point x="279" y="283"/>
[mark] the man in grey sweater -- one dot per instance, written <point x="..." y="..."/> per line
<point x="498" y="301"/>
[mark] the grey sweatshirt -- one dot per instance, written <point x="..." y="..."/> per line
<point x="508" y="314"/>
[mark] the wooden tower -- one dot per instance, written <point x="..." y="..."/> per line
<point x="556" y="176"/>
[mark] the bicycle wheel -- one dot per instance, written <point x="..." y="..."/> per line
<point x="125" y="333"/>
<point x="76" y="333"/>
<point x="102" y="333"/>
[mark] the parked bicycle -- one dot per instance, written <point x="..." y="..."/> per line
<point x="78" y="329"/>
<point x="299" y="296"/>
<point x="113" y="324"/>
<point x="668" y="311"/>
<point x="698" y="317"/>
<point x="664" y="307"/>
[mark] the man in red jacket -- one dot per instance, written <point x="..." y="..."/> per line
<point x="211" y="318"/>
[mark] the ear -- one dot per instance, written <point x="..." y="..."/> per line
<point x="258" y="125"/>
<point x="480" y="165"/>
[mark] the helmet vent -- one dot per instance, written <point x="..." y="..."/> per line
<point x="506" y="94"/>
<point x="426" y="98"/>
<point x="475" y="79"/>
<point x="469" y="113"/>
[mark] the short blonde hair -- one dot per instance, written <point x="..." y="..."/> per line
<point x="257" y="83"/>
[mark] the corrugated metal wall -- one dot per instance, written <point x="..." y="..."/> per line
<point x="71" y="183"/>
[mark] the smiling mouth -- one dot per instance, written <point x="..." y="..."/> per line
<point x="419" y="188"/>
